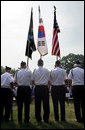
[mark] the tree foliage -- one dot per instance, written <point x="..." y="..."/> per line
<point x="3" y="70"/>
<point x="68" y="61"/>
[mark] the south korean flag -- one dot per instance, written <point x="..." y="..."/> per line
<point x="41" y="43"/>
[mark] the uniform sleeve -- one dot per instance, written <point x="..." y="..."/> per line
<point x="33" y="76"/>
<point x="70" y="75"/>
<point x="15" y="77"/>
<point x="48" y="75"/>
<point x="51" y="75"/>
<point x="65" y="77"/>
<point x="11" y="80"/>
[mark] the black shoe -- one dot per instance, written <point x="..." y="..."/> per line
<point x="63" y="120"/>
<point x="56" y="119"/>
<point x="46" y="121"/>
<point x="6" y="120"/>
<point x="38" y="121"/>
<point x="26" y="122"/>
<point x="80" y="121"/>
<point x="20" y="122"/>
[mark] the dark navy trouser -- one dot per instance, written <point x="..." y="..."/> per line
<point x="58" y="96"/>
<point x="41" y="95"/>
<point x="78" y="92"/>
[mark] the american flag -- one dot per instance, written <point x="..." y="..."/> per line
<point x="55" y="42"/>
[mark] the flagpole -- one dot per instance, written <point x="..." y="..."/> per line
<point x="56" y="58"/>
<point x="27" y="56"/>
<point x="40" y="57"/>
<point x="39" y="22"/>
<point x="28" y="49"/>
<point x="39" y="11"/>
<point x="27" y="61"/>
<point x="55" y="43"/>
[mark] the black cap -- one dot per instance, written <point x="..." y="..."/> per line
<point x="23" y="63"/>
<point x="8" y="68"/>
<point x="78" y="62"/>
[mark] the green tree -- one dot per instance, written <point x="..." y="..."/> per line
<point x="68" y="61"/>
<point x="13" y="71"/>
<point x="2" y="69"/>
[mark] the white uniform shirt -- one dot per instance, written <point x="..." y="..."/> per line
<point x="41" y="76"/>
<point x="57" y="76"/>
<point x="77" y="76"/>
<point x="23" y="77"/>
<point x="6" y="79"/>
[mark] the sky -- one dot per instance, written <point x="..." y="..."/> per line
<point x="15" y="20"/>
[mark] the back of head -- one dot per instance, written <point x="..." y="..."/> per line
<point x="8" y="69"/>
<point x="78" y="63"/>
<point x="57" y="63"/>
<point x="23" y="64"/>
<point x="75" y="65"/>
<point x="40" y="62"/>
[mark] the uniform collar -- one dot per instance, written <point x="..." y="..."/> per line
<point x="40" y="66"/>
<point x="57" y="67"/>
<point x="22" y="68"/>
<point x="7" y="72"/>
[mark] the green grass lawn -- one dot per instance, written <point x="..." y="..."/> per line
<point x="69" y="124"/>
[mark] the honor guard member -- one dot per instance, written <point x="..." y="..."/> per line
<point x="77" y="76"/>
<point x="58" y="75"/>
<point x="22" y="79"/>
<point x="41" y="79"/>
<point x="6" y="93"/>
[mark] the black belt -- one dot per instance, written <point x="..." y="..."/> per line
<point x="23" y="86"/>
<point x="41" y="85"/>
<point x="77" y="86"/>
<point x="58" y="85"/>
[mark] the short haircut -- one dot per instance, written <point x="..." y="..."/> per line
<point x="78" y="62"/>
<point x="23" y="64"/>
<point x="57" y="63"/>
<point x="40" y="62"/>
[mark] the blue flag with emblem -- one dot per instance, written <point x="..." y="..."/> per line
<point x="30" y="47"/>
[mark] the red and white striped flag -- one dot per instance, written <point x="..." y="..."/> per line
<point x="55" y="42"/>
